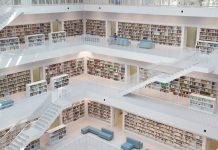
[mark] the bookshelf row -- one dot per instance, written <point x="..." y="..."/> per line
<point x="35" y="40"/>
<point x="207" y="34"/>
<point x="162" y="133"/>
<point x="21" y="31"/>
<point x="60" y="81"/>
<point x="74" y="112"/>
<point x="96" y="27"/>
<point x="8" y="135"/>
<point x="73" y="27"/>
<point x="36" y="88"/>
<point x="72" y="67"/>
<point x="99" y="111"/>
<point x="57" y="37"/>
<point x="184" y="86"/>
<point x="202" y="103"/>
<point x="14" y="83"/>
<point x="9" y="44"/>
<point x="160" y="34"/>
<point x="56" y="134"/>
<point x="106" y="69"/>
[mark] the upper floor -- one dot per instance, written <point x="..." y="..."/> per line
<point x="197" y="8"/>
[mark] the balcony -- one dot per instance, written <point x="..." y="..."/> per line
<point x="197" y="8"/>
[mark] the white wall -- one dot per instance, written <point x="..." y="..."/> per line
<point x="155" y="19"/>
<point x="40" y="18"/>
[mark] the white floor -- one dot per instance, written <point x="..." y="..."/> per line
<point x="73" y="133"/>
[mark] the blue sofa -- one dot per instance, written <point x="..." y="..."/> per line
<point x="131" y="144"/>
<point x="143" y="43"/>
<point x="120" y="41"/>
<point x="6" y="103"/>
<point x="103" y="133"/>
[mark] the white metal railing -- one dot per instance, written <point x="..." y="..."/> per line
<point x="186" y="3"/>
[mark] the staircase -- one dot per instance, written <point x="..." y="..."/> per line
<point x="164" y="78"/>
<point x="36" y="130"/>
<point x="8" y="13"/>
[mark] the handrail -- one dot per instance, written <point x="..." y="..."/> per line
<point x="174" y="3"/>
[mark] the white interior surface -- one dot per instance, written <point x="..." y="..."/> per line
<point x="74" y="137"/>
<point x="98" y="89"/>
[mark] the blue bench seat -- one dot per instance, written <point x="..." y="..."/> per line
<point x="135" y="144"/>
<point x="103" y="133"/>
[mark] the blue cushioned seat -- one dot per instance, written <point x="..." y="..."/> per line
<point x="127" y="146"/>
<point x="103" y="133"/>
<point x="148" y="44"/>
<point x="135" y="144"/>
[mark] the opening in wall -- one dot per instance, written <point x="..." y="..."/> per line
<point x="37" y="74"/>
<point x="118" y="118"/>
<point x="212" y="144"/>
<point x="190" y="35"/>
<point x="56" y="25"/>
<point x="132" y="73"/>
<point x="111" y="25"/>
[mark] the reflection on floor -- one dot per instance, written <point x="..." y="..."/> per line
<point x="73" y="133"/>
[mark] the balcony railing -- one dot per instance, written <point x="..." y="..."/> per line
<point x="179" y="3"/>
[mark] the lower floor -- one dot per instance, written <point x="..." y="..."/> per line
<point x="74" y="131"/>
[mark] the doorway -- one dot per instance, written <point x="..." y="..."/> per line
<point x="212" y="144"/>
<point x="191" y="36"/>
<point x="132" y="73"/>
<point x="111" y="29"/>
<point x="37" y="74"/>
<point x="56" y="26"/>
<point x="118" y="118"/>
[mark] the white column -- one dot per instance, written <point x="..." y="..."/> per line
<point x="183" y="36"/>
<point x="85" y="65"/>
<point x="204" y="143"/>
<point x="112" y="116"/>
<point x="84" y="26"/>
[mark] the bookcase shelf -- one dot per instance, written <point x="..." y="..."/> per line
<point x="207" y="34"/>
<point x="106" y="69"/>
<point x="72" y="67"/>
<point x="56" y="134"/>
<point x="184" y="86"/>
<point x="73" y="113"/>
<point x="202" y="103"/>
<point x="9" y="44"/>
<point x="73" y="27"/>
<point x="159" y="34"/>
<point x="36" y="88"/>
<point x="60" y="81"/>
<point x="35" y="40"/>
<point x="8" y="135"/>
<point x="96" y="27"/>
<point x="162" y="133"/>
<point x="34" y="145"/>
<point x="14" y="83"/>
<point x="21" y="31"/>
<point x="99" y="111"/>
<point x="57" y="37"/>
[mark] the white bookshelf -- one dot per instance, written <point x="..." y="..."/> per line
<point x="202" y="103"/>
<point x="207" y="40"/>
<point x="57" y="37"/>
<point x="96" y="27"/>
<point x="35" y="40"/>
<point x="36" y="88"/>
<point x="74" y="112"/>
<point x="163" y="133"/>
<point x="34" y="145"/>
<point x="159" y="34"/>
<point x="73" y="27"/>
<point x="56" y="134"/>
<point x="73" y="67"/>
<point x="99" y="111"/>
<point x="60" y="81"/>
<point x="14" y="83"/>
<point x="106" y="69"/>
<point x="9" y="44"/>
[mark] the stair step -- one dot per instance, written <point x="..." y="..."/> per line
<point x="39" y="128"/>
<point x="18" y="142"/>
<point x="15" y="146"/>
<point x="24" y="135"/>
